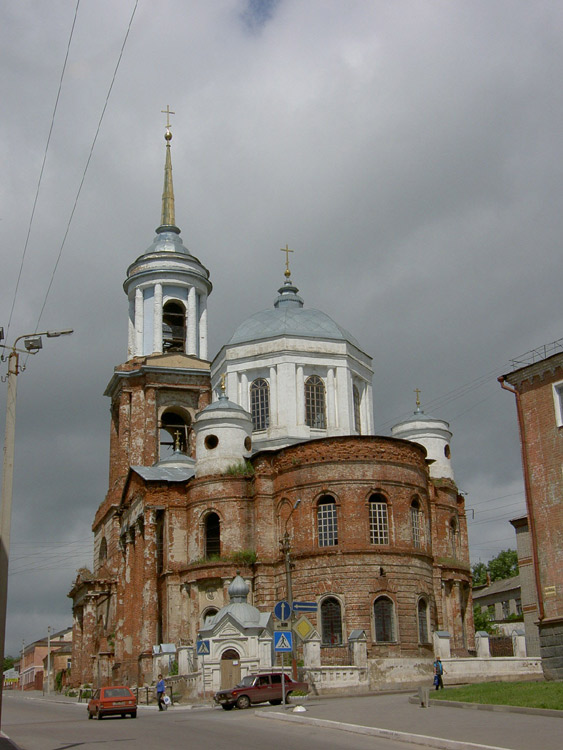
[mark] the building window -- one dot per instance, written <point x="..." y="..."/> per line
<point x="208" y="615"/>
<point x="174" y="431"/>
<point x="260" y="404"/>
<point x="519" y="607"/>
<point x="378" y="520"/>
<point x="384" y="620"/>
<point x="327" y="522"/>
<point x="357" y="416"/>
<point x="422" y="611"/>
<point x="103" y="551"/>
<point x="212" y="535"/>
<point x="505" y="610"/>
<point x="558" y="401"/>
<point x="416" y="523"/>
<point x="315" y="403"/>
<point x="331" y="622"/>
<point x="173" y="327"/>
<point x="452" y="531"/>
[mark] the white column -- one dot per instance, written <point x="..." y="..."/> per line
<point x="157" y="320"/>
<point x="131" y="330"/>
<point x="331" y="405"/>
<point x="138" y="322"/>
<point x="244" y="391"/>
<point x="273" y="397"/>
<point x="343" y="400"/>
<point x="203" y="326"/>
<point x="191" y="322"/>
<point x="368" y="397"/>
<point x="300" y="395"/>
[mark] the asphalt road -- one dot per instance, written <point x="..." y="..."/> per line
<point x="40" y="724"/>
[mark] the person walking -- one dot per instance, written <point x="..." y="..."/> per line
<point x="160" y="690"/>
<point x="438" y="672"/>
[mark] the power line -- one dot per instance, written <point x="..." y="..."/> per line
<point x="42" y="169"/>
<point x="87" y="164"/>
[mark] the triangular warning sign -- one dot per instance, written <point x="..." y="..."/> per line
<point x="283" y="642"/>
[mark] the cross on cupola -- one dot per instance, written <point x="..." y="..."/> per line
<point x="286" y="250"/>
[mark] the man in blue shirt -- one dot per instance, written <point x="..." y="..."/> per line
<point x="160" y="690"/>
<point x="438" y="672"/>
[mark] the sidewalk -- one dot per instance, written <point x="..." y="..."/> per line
<point x="440" y="726"/>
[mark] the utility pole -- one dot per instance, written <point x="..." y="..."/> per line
<point x="32" y="343"/>
<point x="48" y="660"/>
<point x="285" y="546"/>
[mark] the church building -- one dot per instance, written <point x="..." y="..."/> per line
<point x="261" y="462"/>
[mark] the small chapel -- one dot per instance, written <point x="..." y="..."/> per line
<point x="255" y="477"/>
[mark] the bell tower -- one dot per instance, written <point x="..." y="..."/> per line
<point x="156" y="394"/>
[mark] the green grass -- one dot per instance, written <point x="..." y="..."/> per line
<point x="527" y="694"/>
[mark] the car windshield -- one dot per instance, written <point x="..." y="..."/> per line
<point x="247" y="681"/>
<point x="117" y="693"/>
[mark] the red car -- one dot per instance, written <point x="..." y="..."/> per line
<point x="112" y="701"/>
<point x="258" y="688"/>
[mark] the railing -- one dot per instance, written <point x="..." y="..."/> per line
<point x="537" y="355"/>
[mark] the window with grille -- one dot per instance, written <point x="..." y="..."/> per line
<point x="315" y="403"/>
<point x="331" y="622"/>
<point x="378" y="520"/>
<point x="422" y="621"/>
<point x="327" y="522"/>
<point x="383" y="612"/>
<point x="260" y="404"/>
<point x="416" y="524"/>
<point x="357" y="417"/>
<point x="212" y="536"/>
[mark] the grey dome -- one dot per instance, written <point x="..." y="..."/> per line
<point x="222" y="404"/>
<point x="290" y="318"/>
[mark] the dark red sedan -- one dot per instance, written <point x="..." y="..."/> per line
<point x="259" y="688"/>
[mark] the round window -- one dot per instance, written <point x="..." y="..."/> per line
<point x="447" y="451"/>
<point x="211" y="441"/>
<point x="247" y="443"/>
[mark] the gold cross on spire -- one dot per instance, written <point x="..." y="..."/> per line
<point x="286" y="250"/>
<point x="417" y="391"/>
<point x="167" y="112"/>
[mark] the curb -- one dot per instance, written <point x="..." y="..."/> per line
<point x="552" y="712"/>
<point x="390" y="734"/>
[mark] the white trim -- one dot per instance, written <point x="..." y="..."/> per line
<point x="557" y="389"/>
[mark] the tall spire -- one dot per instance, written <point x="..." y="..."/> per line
<point x="168" y="219"/>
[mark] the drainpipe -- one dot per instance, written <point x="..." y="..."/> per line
<point x="528" y="489"/>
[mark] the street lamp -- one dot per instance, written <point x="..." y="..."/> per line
<point x="285" y="546"/>
<point x="32" y="343"/>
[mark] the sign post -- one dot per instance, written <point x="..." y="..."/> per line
<point x="202" y="649"/>
<point x="283" y="643"/>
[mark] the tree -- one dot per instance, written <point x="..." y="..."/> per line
<point x="504" y="565"/>
<point x="482" y="621"/>
<point x="8" y="662"/>
<point x="479" y="573"/>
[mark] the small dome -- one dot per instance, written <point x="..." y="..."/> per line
<point x="222" y="404"/>
<point x="238" y="590"/>
<point x="290" y="318"/>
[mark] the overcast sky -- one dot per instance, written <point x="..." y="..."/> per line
<point x="410" y="153"/>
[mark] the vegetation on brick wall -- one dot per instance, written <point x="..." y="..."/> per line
<point x="242" y="469"/>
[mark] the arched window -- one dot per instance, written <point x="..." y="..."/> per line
<point x="331" y="622"/>
<point x="327" y="521"/>
<point x="357" y="417"/>
<point x="103" y="551"/>
<point x="174" y="433"/>
<point x="212" y="535"/>
<point x="422" y="613"/>
<point x="173" y="327"/>
<point x="416" y="523"/>
<point x="378" y="520"/>
<point x="260" y="404"/>
<point x="384" y="620"/>
<point x="315" y="403"/>
<point x="208" y="614"/>
<point x="452" y="533"/>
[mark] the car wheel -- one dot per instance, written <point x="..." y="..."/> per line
<point x="276" y="702"/>
<point x="99" y="715"/>
<point x="243" y="701"/>
<point x="226" y="706"/>
<point x="90" y="715"/>
<point x="133" y="714"/>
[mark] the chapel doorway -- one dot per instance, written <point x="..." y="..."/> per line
<point x="230" y="669"/>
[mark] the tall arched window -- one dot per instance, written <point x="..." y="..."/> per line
<point x="212" y="535"/>
<point x="260" y="404"/>
<point x="378" y="520"/>
<point x="422" y="613"/>
<point x="174" y="430"/>
<point x="452" y="532"/>
<point x="327" y="521"/>
<point x="173" y="327"/>
<point x="384" y="620"/>
<point x="331" y="622"/>
<point x="315" y="403"/>
<point x="357" y="416"/>
<point x="103" y="551"/>
<point x="416" y="523"/>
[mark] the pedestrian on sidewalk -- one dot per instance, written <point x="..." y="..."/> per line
<point x="438" y="672"/>
<point x="160" y="690"/>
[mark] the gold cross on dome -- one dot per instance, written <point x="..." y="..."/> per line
<point x="167" y="112"/>
<point x="417" y="391"/>
<point x="286" y="250"/>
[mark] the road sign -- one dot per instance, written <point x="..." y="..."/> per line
<point x="303" y="627"/>
<point x="283" y="640"/>
<point x="304" y="606"/>
<point x="282" y="610"/>
<point x="202" y="648"/>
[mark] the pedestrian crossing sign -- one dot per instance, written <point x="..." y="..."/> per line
<point x="283" y="640"/>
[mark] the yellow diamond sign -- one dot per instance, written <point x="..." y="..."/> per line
<point x="303" y="627"/>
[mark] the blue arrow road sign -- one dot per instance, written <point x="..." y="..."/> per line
<point x="282" y="610"/>
<point x="304" y="606"/>
<point x="202" y="648"/>
<point x="283" y="640"/>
